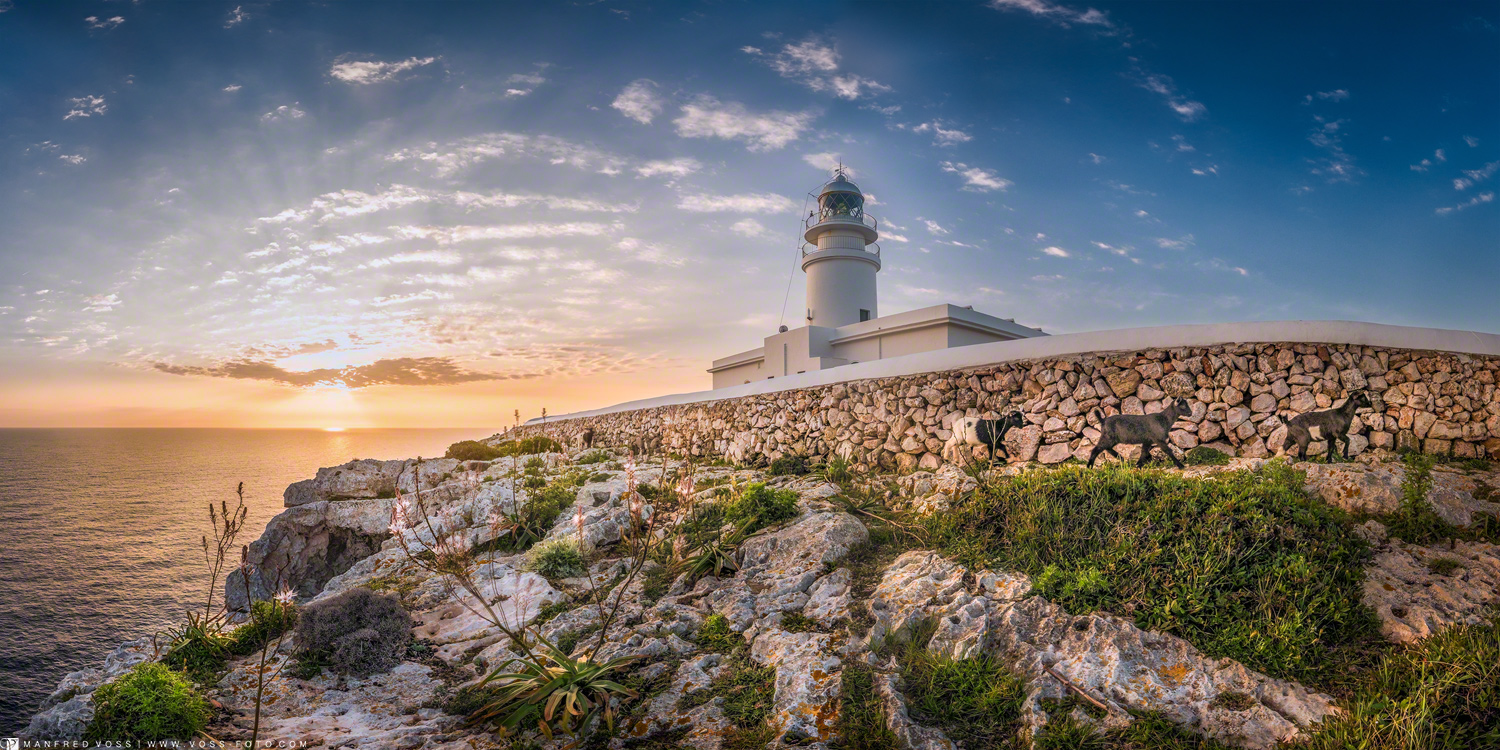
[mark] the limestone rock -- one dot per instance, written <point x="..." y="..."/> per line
<point x="1414" y="602"/>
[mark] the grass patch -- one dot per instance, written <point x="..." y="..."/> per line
<point x="1444" y="566"/>
<point x="747" y="690"/>
<point x="150" y="703"/>
<point x="1440" y="694"/>
<point x="1416" y="521"/>
<point x="862" y="721"/>
<point x="796" y="622"/>
<point x="1241" y="564"/>
<point x="976" y="702"/>
<point x="1205" y="456"/>
<point x="592" y="457"/>
<point x="1149" y="731"/>
<point x="714" y="635"/>
<point x="655" y="583"/>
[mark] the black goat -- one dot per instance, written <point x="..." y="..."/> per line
<point x="1330" y="424"/>
<point x="587" y="438"/>
<point x="980" y="431"/>
<point x="1140" y="429"/>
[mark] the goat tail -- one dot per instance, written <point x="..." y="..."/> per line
<point x="1097" y="414"/>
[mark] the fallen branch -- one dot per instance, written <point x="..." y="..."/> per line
<point x="1069" y="685"/>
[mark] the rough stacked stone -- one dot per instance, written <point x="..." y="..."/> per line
<point x="1241" y="396"/>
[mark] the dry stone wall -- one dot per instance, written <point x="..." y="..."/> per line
<point x="1241" y="395"/>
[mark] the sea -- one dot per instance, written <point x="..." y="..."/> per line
<point x="101" y="529"/>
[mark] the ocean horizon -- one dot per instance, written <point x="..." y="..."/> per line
<point x="103" y="528"/>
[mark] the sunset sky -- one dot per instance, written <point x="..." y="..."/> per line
<point x="381" y="215"/>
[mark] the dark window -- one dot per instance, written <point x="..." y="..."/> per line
<point x="864" y="315"/>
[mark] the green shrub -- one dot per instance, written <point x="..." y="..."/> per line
<point x="534" y="464"/>
<point x="473" y="450"/>
<point x="531" y="521"/>
<point x="528" y="446"/>
<point x="1202" y="455"/>
<point x="747" y="690"/>
<point x="758" y="506"/>
<point x="714" y="635"/>
<point x="150" y="703"/>
<point x="1442" y="693"/>
<point x="531" y="694"/>
<point x="199" y="648"/>
<point x="557" y="558"/>
<point x="1241" y="564"/>
<point x="592" y="457"/>
<point x="1148" y="731"/>
<point x="1416" y="521"/>
<point x="838" y="471"/>
<point x="861" y="723"/>
<point x="268" y="620"/>
<point x="358" y="632"/>
<point x="790" y="465"/>
<point x="534" y="482"/>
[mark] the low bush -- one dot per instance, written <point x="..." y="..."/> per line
<point x="1148" y="731"/>
<point x="758" y="506"/>
<point x="557" y="558"/>
<point x="1204" y="456"/>
<point x="473" y="450"/>
<point x="861" y="723"/>
<point x="790" y="465"/>
<point x="199" y="647"/>
<point x="1241" y="564"/>
<point x="1416" y="521"/>
<point x="529" y="446"/>
<point x="268" y="620"/>
<point x="150" y="703"/>
<point x="592" y="457"/>
<point x="358" y="632"/>
<point x="977" y="702"/>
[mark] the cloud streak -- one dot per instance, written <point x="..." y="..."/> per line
<point x="409" y="371"/>
<point x="707" y="117"/>
<point x="366" y="72"/>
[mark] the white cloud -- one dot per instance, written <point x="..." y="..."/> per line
<point x="106" y="24"/>
<point x="933" y="227"/>
<point x="86" y="106"/>
<point x="1205" y="171"/>
<point x="706" y="117"/>
<point x="233" y="87"/>
<point x="1097" y="159"/>
<point x="1476" y="200"/>
<point x="1471" y="140"/>
<point x="1336" y="95"/>
<point x="435" y="257"/>
<point x="236" y="17"/>
<point x="74" y="159"/>
<point x="449" y="235"/>
<point x="745" y="203"/>
<point x="284" y="113"/>
<point x="976" y="179"/>
<point x="639" y="101"/>
<point x="373" y="71"/>
<point x="749" y="228"/>
<point x="943" y="136"/>
<point x="1167" y="243"/>
<point x="815" y="65"/>
<point x="465" y="153"/>
<point x="343" y="204"/>
<point x="680" y="167"/>
<point x="1058" y="14"/>
<point x="102" y="303"/>
<point x="1336" y="165"/>
<point x="1471" y="176"/>
<point x="893" y="237"/>
<point x="1186" y="108"/>
<point x="517" y="92"/>
<point x="1440" y="155"/>
<point x="1182" y="144"/>
<point x="1056" y="252"/>
<point x="827" y="162"/>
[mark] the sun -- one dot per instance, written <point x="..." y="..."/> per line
<point x="333" y="429"/>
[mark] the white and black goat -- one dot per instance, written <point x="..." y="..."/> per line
<point x="981" y="431"/>
<point x="1331" y="425"/>
<point x="1144" y="430"/>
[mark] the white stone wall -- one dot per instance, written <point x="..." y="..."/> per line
<point x="1241" y="395"/>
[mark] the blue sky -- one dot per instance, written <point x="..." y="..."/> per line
<point x="270" y="213"/>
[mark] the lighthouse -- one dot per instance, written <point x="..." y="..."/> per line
<point x="843" y="258"/>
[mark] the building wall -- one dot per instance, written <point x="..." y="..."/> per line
<point x="1241" y="394"/>
<point x="748" y="372"/>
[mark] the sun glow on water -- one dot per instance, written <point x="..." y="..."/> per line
<point x="333" y="429"/>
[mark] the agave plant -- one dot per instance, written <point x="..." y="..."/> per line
<point x="715" y="556"/>
<point x="551" y="688"/>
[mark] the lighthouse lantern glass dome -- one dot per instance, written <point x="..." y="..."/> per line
<point x="841" y="198"/>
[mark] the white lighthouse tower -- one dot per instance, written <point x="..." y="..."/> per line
<point x="844" y="326"/>
<point x="844" y="259"/>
